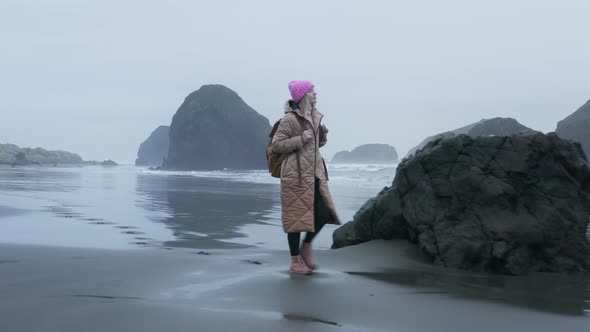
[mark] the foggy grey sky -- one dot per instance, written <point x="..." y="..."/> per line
<point x="96" y="77"/>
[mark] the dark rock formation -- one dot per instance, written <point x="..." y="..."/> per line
<point x="486" y="127"/>
<point x="13" y="155"/>
<point x="367" y="154"/>
<point x="154" y="150"/>
<point x="109" y="163"/>
<point x="497" y="127"/>
<point x="215" y="129"/>
<point x="513" y="204"/>
<point x="577" y="127"/>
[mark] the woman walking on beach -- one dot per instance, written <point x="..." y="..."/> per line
<point x="305" y="197"/>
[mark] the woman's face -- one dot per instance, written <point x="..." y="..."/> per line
<point x="312" y="95"/>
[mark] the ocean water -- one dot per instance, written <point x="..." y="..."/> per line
<point x="132" y="207"/>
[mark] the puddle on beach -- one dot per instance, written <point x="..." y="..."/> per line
<point x="309" y="319"/>
<point x="105" y="297"/>
<point x="562" y="294"/>
<point x="277" y="315"/>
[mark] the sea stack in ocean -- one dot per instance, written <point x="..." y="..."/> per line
<point x="577" y="127"/>
<point x="215" y="129"/>
<point x="513" y="205"/>
<point x="485" y="127"/>
<point x="154" y="149"/>
<point x="367" y="154"/>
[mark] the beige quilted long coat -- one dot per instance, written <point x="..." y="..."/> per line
<point x="297" y="193"/>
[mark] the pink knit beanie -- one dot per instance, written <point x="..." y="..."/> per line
<point x="299" y="89"/>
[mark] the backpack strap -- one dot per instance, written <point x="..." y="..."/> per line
<point x="274" y="129"/>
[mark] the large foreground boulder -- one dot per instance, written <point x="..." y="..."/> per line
<point x="514" y="205"/>
<point x="215" y="129"/>
<point x="367" y="154"/>
<point x="577" y="127"/>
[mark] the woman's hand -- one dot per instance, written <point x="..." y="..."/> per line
<point x="307" y="136"/>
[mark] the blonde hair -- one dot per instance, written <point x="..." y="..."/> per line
<point x="305" y="104"/>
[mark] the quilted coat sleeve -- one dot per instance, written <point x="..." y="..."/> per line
<point x="323" y="138"/>
<point x="287" y="138"/>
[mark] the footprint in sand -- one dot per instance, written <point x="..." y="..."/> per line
<point x="133" y="232"/>
<point x="102" y="223"/>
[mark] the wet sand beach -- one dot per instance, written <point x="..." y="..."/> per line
<point x="72" y="289"/>
<point x="124" y="249"/>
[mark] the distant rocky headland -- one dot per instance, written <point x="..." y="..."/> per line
<point x="107" y="162"/>
<point x="154" y="150"/>
<point x="486" y="127"/>
<point x="11" y="154"/>
<point x="576" y="127"/>
<point x="367" y="154"/>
